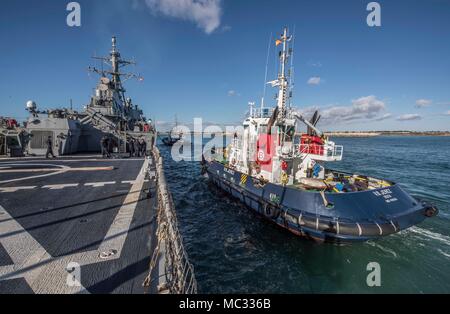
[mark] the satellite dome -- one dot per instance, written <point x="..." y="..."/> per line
<point x="31" y="105"/>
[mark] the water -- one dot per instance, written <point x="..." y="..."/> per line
<point x="235" y="251"/>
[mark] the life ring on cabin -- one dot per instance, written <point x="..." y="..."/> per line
<point x="284" y="165"/>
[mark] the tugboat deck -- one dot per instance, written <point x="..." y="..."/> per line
<point x="81" y="210"/>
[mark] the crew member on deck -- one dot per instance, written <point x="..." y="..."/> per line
<point x="49" y="148"/>
<point x="142" y="147"/>
<point x="132" y="147"/>
<point x="105" y="147"/>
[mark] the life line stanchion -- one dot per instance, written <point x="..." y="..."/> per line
<point x="177" y="272"/>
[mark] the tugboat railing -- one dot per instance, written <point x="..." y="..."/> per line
<point x="325" y="152"/>
<point x="256" y="113"/>
<point x="176" y="272"/>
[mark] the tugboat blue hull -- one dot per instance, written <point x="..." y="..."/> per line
<point x="349" y="217"/>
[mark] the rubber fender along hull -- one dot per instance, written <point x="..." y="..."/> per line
<point x="349" y="217"/>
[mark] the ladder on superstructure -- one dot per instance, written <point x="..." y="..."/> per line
<point x="105" y="125"/>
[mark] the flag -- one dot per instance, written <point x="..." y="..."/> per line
<point x="278" y="42"/>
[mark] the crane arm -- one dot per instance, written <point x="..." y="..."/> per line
<point x="309" y="124"/>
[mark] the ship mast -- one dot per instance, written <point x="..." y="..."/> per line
<point x="282" y="82"/>
<point x="116" y="62"/>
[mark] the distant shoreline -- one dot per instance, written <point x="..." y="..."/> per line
<point x="387" y="133"/>
<point x="359" y="134"/>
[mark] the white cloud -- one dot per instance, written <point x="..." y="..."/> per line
<point x="225" y="28"/>
<point x="206" y="14"/>
<point x="409" y="117"/>
<point x="448" y="113"/>
<point x="384" y="117"/>
<point x="364" y="108"/>
<point x="232" y="93"/>
<point x="315" y="80"/>
<point x="315" y="64"/>
<point x="421" y="103"/>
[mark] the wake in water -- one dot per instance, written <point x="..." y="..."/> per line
<point x="443" y="253"/>
<point x="235" y="252"/>
<point x="382" y="248"/>
<point x="431" y="235"/>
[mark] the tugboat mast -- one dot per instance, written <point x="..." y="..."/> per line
<point x="282" y="77"/>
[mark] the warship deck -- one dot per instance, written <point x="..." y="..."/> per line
<point x="80" y="224"/>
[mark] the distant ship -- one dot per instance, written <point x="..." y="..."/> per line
<point x="172" y="140"/>
<point x="109" y="113"/>
<point x="282" y="176"/>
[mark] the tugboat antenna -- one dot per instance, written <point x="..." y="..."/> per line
<point x="266" y="73"/>
<point x="282" y="82"/>
<point x="291" y="71"/>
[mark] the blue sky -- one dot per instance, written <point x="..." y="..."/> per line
<point x="208" y="59"/>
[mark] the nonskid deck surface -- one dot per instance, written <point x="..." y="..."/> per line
<point x="84" y="210"/>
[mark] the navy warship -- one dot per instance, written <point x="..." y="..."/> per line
<point x="109" y="113"/>
<point x="282" y="175"/>
<point x="79" y="223"/>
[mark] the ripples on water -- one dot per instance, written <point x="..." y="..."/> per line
<point x="235" y="251"/>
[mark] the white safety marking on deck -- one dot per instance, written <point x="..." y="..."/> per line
<point x="48" y="275"/>
<point x="31" y="261"/>
<point x="128" y="182"/>
<point x="25" y="160"/>
<point x="56" y="169"/>
<point x="99" y="184"/>
<point x="16" y="188"/>
<point x="60" y="186"/>
<point x="62" y="169"/>
<point x="118" y="232"/>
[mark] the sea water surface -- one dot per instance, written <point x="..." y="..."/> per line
<point x="235" y="251"/>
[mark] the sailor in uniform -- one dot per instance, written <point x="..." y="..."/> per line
<point x="49" y="148"/>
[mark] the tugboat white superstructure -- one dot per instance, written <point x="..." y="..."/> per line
<point x="282" y="175"/>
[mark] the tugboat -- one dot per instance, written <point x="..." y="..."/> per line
<point x="171" y="140"/>
<point x="282" y="176"/>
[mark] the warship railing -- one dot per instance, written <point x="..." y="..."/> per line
<point x="177" y="272"/>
